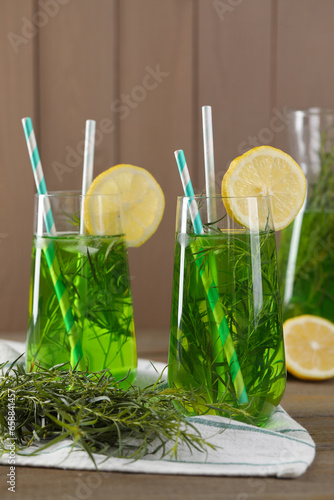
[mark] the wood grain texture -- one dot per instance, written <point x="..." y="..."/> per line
<point x="234" y="46"/>
<point x="305" y="44"/>
<point x="17" y="100"/>
<point x="95" y="59"/>
<point x="316" y="484"/>
<point x="78" y="78"/>
<point x="156" y="36"/>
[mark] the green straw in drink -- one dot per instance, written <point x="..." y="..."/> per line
<point x="210" y="287"/>
<point x="49" y="249"/>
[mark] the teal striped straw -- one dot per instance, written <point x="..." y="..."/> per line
<point x="210" y="286"/>
<point x="49" y="250"/>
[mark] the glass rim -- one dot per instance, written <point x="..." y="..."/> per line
<point x="219" y="197"/>
<point x="313" y="110"/>
<point x="71" y="194"/>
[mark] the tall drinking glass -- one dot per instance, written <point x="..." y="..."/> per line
<point x="226" y="331"/>
<point x="306" y="253"/>
<point x="80" y="307"/>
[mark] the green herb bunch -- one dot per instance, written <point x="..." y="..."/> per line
<point x="91" y="409"/>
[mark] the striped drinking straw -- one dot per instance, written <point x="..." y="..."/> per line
<point x="88" y="166"/>
<point x="209" y="163"/>
<point x="210" y="287"/>
<point x="49" y="250"/>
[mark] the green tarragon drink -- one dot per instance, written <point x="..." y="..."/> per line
<point x="306" y="263"/>
<point x="94" y="271"/>
<point x="306" y="252"/>
<point x="244" y="271"/>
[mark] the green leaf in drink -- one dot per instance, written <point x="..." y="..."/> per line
<point x="95" y="273"/>
<point x="244" y="269"/>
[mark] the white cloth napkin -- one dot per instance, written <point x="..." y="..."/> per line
<point x="283" y="448"/>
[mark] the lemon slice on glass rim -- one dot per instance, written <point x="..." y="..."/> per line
<point x="142" y="201"/>
<point x="309" y="347"/>
<point x="264" y="171"/>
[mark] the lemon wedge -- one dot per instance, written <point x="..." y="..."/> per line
<point x="309" y="347"/>
<point x="142" y="201"/>
<point x="264" y="171"/>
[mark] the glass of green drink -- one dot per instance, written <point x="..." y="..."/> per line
<point x="306" y="252"/>
<point x="226" y="330"/>
<point x="80" y="307"/>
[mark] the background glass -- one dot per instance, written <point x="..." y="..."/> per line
<point x="242" y="269"/>
<point x="80" y="296"/>
<point x="306" y="253"/>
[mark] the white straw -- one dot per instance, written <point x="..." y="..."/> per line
<point x="209" y="163"/>
<point x="88" y="166"/>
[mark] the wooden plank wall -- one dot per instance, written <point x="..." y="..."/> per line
<point x="143" y="69"/>
<point x="18" y="98"/>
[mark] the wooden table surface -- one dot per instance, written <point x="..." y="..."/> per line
<point x="311" y="404"/>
